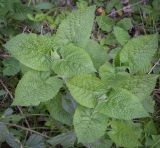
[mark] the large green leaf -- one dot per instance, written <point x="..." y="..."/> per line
<point x="109" y="40"/>
<point x="140" y="85"/>
<point x="31" y="50"/>
<point x="106" y="71"/>
<point x="12" y="67"/>
<point x="6" y="136"/>
<point x="113" y="77"/>
<point x="36" y="87"/>
<point x="96" y="52"/>
<point x="105" y="23"/>
<point x="150" y="128"/>
<point x="76" y="27"/>
<point x="101" y="143"/>
<point x="89" y="124"/>
<point x="57" y="112"/>
<point x="67" y="140"/>
<point x="122" y="104"/>
<point x="138" y="53"/>
<point x="125" y="134"/>
<point x="125" y="23"/>
<point x="149" y="104"/>
<point x="68" y="103"/>
<point x="75" y="60"/>
<point x="35" y="141"/>
<point x="113" y="4"/>
<point x="4" y="131"/>
<point x="86" y="89"/>
<point x="121" y="35"/>
<point x="156" y="141"/>
<point x="12" y="141"/>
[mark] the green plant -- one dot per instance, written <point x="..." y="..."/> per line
<point x="71" y="75"/>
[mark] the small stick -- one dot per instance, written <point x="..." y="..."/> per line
<point x="26" y="129"/>
<point x="154" y="66"/>
<point x="9" y="93"/>
<point x="25" y="28"/>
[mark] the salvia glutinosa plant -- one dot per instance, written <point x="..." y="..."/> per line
<point x="102" y="93"/>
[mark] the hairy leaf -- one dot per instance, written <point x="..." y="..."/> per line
<point x="86" y="89"/>
<point x="112" y="77"/>
<point x="57" y="112"/>
<point x="109" y="40"/>
<point x="68" y="103"/>
<point x="156" y="141"/>
<point x="12" y="141"/>
<point x="149" y="104"/>
<point x="125" y="134"/>
<point x="76" y="28"/>
<point x="97" y="53"/>
<point x="65" y="139"/>
<point x="75" y="60"/>
<point x="122" y="104"/>
<point x="89" y="124"/>
<point x="102" y="143"/>
<point x="31" y="50"/>
<point x="35" y="141"/>
<point x="12" y="67"/>
<point x="113" y="4"/>
<point x="105" y="23"/>
<point x="150" y="128"/>
<point x="4" y="131"/>
<point x="36" y="87"/>
<point x="138" y="53"/>
<point x="141" y="85"/>
<point x="125" y="23"/>
<point x="121" y="35"/>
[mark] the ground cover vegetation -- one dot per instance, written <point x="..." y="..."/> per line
<point x="77" y="73"/>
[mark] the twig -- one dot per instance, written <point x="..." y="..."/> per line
<point x="34" y="2"/>
<point x="154" y="66"/>
<point x="42" y="30"/>
<point x="44" y="128"/>
<point x="9" y="93"/>
<point x="26" y="129"/>
<point x="45" y="115"/>
<point x="25" y="28"/>
<point x="29" y="2"/>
